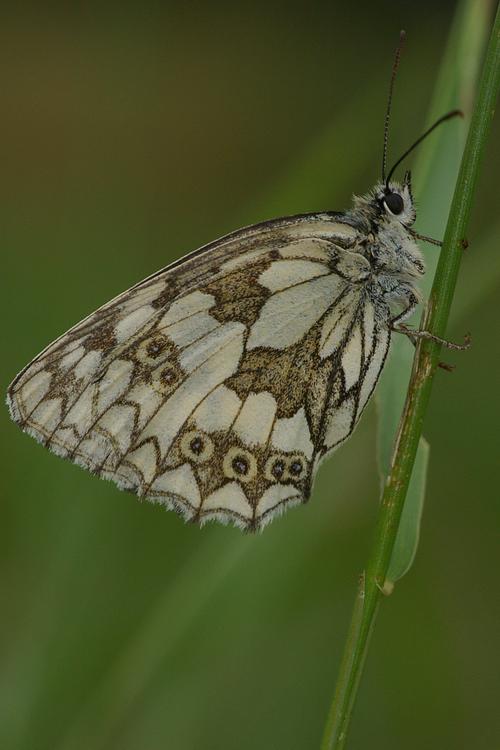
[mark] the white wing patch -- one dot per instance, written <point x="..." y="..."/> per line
<point x="292" y="433"/>
<point x="339" y="321"/>
<point x="147" y="401"/>
<point x="312" y="249"/>
<point x="285" y="273"/>
<point x="378" y="355"/>
<point x="215" y="386"/>
<point x="351" y="358"/>
<point x="48" y="413"/>
<point x="72" y="357"/>
<point x="218" y="410"/>
<point x="214" y="349"/>
<point x="289" y="314"/>
<point x="274" y="496"/>
<point x="114" y="383"/>
<point x="189" y="330"/>
<point x="177" y="486"/>
<point x="133" y="322"/>
<point x="185" y="307"/>
<point x="31" y="393"/>
<point x="250" y="430"/>
<point x="230" y="497"/>
<point x="340" y="424"/>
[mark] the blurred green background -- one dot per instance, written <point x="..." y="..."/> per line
<point x="131" y="134"/>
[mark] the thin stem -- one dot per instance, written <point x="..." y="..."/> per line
<point x="426" y="361"/>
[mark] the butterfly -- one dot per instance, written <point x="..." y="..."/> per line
<point x="217" y="385"/>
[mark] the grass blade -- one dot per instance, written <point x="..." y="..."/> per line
<point x="426" y="362"/>
<point x="435" y="171"/>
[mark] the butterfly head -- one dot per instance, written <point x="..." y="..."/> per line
<point x="395" y="201"/>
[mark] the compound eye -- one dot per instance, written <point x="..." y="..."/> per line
<point x="394" y="203"/>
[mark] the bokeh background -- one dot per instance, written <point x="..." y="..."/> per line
<point x="132" y="134"/>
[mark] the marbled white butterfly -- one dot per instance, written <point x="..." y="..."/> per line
<point x="218" y="384"/>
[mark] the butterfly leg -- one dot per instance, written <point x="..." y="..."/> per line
<point x="464" y="243"/>
<point x="413" y="339"/>
<point x="398" y="327"/>
<point x="413" y="335"/>
<point x="424" y="238"/>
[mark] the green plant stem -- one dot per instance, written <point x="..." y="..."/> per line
<point x="371" y="586"/>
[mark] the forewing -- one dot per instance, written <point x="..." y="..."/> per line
<point x="211" y="387"/>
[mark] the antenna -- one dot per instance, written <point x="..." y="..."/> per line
<point x="395" y="66"/>
<point x="443" y="118"/>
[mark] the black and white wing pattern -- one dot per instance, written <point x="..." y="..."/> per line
<point x="216" y="385"/>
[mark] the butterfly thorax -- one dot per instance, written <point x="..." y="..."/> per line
<point x="395" y="259"/>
